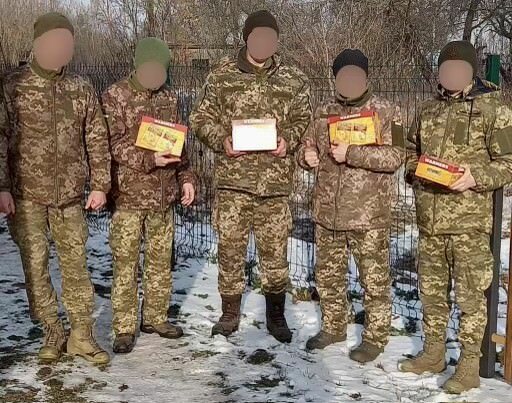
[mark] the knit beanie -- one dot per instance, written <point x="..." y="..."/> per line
<point x="152" y="50"/>
<point x="350" y="57"/>
<point x="261" y="18"/>
<point x="459" y="50"/>
<point x="50" y="21"/>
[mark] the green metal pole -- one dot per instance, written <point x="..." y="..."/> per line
<point x="488" y="360"/>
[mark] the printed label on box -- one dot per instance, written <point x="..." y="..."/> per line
<point x="357" y="129"/>
<point x="157" y="135"/>
<point x="438" y="171"/>
<point x="254" y="135"/>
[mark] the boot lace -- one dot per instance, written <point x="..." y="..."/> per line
<point x="92" y="341"/>
<point x="52" y="335"/>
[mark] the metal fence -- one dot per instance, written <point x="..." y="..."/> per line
<point x="196" y="238"/>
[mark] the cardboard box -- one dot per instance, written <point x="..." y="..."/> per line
<point x="254" y="135"/>
<point x="358" y="129"/>
<point x="157" y="135"/>
<point x="438" y="171"/>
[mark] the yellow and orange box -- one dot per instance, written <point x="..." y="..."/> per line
<point x="158" y="135"/>
<point x="438" y="171"/>
<point x="357" y="129"/>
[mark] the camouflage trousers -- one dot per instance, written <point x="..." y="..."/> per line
<point x="467" y="260"/>
<point x="128" y="227"/>
<point x="370" y="250"/>
<point x="236" y="214"/>
<point x="29" y="229"/>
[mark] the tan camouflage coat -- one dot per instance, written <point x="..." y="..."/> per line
<point x="474" y="129"/>
<point x="136" y="182"/>
<point x="237" y="90"/>
<point x="55" y="139"/>
<point x="357" y="195"/>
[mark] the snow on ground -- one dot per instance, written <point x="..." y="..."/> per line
<point x="249" y="367"/>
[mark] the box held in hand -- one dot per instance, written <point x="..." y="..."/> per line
<point x="254" y="135"/>
<point x="438" y="171"/>
<point x="158" y="135"/>
<point x="357" y="129"/>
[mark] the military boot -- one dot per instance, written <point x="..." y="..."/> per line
<point x="124" y="343"/>
<point x="431" y="359"/>
<point x="466" y="376"/>
<point x="54" y="341"/>
<point x="276" y="322"/>
<point x="323" y="339"/>
<point x="230" y="319"/>
<point x="365" y="352"/>
<point x="166" y="330"/>
<point x="81" y="343"/>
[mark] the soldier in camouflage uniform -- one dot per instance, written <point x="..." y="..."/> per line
<point x="470" y="128"/>
<point x="354" y="192"/>
<point x="54" y="139"/>
<point x="145" y="188"/>
<point x="253" y="188"/>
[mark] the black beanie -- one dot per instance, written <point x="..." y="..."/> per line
<point x="459" y="50"/>
<point x="350" y="57"/>
<point x="257" y="19"/>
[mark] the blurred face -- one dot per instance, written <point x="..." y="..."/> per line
<point x="455" y="75"/>
<point x="54" y="49"/>
<point x="151" y="75"/>
<point x="351" y="82"/>
<point x="262" y="43"/>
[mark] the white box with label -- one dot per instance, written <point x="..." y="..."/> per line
<point x="254" y="135"/>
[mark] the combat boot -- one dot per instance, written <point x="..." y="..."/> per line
<point x="431" y="359"/>
<point x="54" y="341"/>
<point x="81" y="343"/>
<point x="323" y="339"/>
<point x="466" y="376"/>
<point x="124" y="343"/>
<point x="276" y="322"/>
<point x="166" y="330"/>
<point x="365" y="352"/>
<point x="230" y="319"/>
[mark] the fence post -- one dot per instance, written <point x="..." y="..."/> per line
<point x="488" y="360"/>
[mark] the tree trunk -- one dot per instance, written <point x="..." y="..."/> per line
<point x="470" y="17"/>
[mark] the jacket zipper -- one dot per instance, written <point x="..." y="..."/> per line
<point x="160" y="174"/>
<point x="441" y="153"/>
<point x="56" y="145"/>
<point x="338" y="185"/>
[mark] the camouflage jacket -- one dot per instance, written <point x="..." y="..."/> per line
<point x="238" y="90"/>
<point x="136" y="182"/>
<point x="474" y="129"/>
<point x="54" y="139"/>
<point x="357" y="195"/>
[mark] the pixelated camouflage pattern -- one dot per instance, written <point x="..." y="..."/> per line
<point x="237" y="90"/>
<point x="29" y="229"/>
<point x="472" y="129"/>
<point x="127" y="230"/>
<point x="235" y="214"/>
<point x="5" y="184"/>
<point x="55" y="140"/>
<point x="136" y="182"/>
<point x="467" y="259"/>
<point x="370" y="250"/>
<point x="357" y="195"/>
